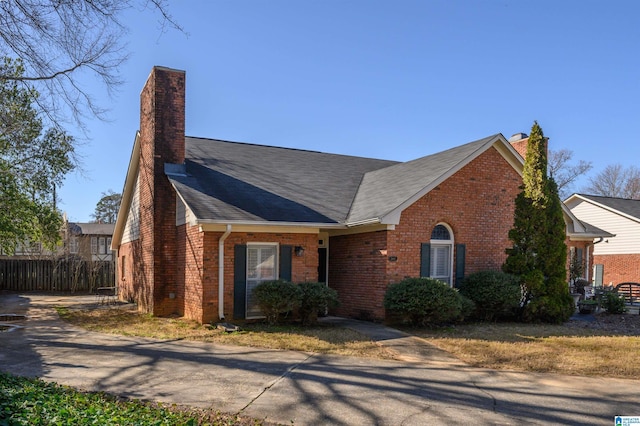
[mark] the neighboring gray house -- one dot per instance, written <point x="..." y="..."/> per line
<point x="89" y="241"/>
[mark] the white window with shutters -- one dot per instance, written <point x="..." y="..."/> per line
<point x="262" y="265"/>
<point x="441" y="263"/>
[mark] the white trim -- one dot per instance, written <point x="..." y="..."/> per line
<point x="603" y="206"/>
<point x="221" y="272"/>
<point x="504" y="149"/>
<point x="127" y="193"/>
<point x="276" y="273"/>
<point x="443" y="243"/>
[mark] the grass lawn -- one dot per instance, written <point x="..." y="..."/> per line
<point x="524" y="347"/>
<point x="324" y="339"/>
<point x="540" y="348"/>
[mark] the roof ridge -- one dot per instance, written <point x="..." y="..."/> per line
<point x="289" y="148"/>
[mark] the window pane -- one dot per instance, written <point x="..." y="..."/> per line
<point x="441" y="263"/>
<point x="440" y="232"/>
<point x="261" y="266"/>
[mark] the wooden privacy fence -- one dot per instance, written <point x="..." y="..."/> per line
<point x="55" y="275"/>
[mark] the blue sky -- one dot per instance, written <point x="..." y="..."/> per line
<point x="386" y="79"/>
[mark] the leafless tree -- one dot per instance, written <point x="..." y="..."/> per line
<point x="616" y="181"/>
<point x="62" y="43"/>
<point x="565" y="173"/>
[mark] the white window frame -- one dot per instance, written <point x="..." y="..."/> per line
<point x="74" y="245"/>
<point x="435" y="246"/>
<point x="276" y="273"/>
<point x="102" y="245"/>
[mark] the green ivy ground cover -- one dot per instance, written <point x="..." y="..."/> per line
<point x="25" y="401"/>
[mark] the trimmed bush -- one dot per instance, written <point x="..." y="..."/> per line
<point x="496" y="295"/>
<point x="277" y="297"/>
<point x="467" y="307"/>
<point x="315" y="297"/>
<point x="613" y="302"/>
<point x="423" y="301"/>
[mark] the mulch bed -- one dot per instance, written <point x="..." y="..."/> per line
<point x="627" y="324"/>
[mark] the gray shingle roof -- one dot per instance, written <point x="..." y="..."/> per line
<point x="232" y="181"/>
<point x="623" y="205"/>
<point x="386" y="189"/>
<point x="245" y="182"/>
<point x="92" y="228"/>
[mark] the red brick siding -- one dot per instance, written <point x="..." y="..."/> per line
<point x="477" y="203"/>
<point x="619" y="268"/>
<point x="520" y="146"/>
<point x="357" y="271"/>
<point x="130" y="284"/>
<point x="161" y="141"/>
<point x="303" y="268"/>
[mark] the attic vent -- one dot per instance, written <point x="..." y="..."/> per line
<point x="518" y="136"/>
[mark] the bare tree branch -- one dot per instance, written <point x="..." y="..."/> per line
<point x="564" y="173"/>
<point x="61" y="43"/>
<point x="616" y="181"/>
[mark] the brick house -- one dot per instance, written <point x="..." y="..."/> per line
<point x="619" y="254"/>
<point x="202" y="221"/>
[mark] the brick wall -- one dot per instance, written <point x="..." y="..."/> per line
<point x="477" y="203"/>
<point x="130" y="277"/>
<point x="619" y="268"/>
<point x="197" y="270"/>
<point x="303" y="268"/>
<point x="520" y="146"/>
<point x="358" y="272"/>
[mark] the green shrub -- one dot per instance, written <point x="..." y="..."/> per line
<point x="277" y="297"/>
<point x="552" y="310"/>
<point x="467" y="307"/>
<point x="496" y="294"/>
<point x="613" y="302"/>
<point x="422" y="301"/>
<point x="314" y="298"/>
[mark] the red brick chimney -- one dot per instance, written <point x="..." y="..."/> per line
<point x="519" y="142"/>
<point x="162" y="133"/>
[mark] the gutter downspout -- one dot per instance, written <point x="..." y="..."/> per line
<point x="221" y="272"/>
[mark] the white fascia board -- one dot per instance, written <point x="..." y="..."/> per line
<point x="568" y="215"/>
<point x="605" y="207"/>
<point x="502" y="146"/>
<point x="264" y="226"/>
<point x="127" y="192"/>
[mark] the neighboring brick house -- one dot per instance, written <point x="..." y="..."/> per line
<point x="202" y="221"/>
<point x="619" y="254"/>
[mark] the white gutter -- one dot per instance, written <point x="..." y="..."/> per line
<point x="221" y="272"/>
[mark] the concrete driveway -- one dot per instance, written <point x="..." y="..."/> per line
<point x="300" y="388"/>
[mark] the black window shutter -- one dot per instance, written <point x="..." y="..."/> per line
<point x="239" y="281"/>
<point x="461" y="251"/>
<point x="425" y="259"/>
<point x="285" y="263"/>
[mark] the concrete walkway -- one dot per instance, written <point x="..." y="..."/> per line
<point x="427" y="387"/>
